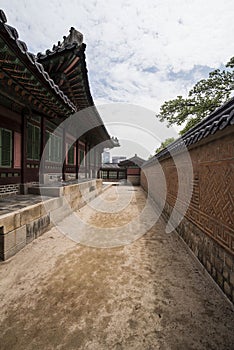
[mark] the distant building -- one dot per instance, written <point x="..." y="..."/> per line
<point x="117" y="159"/>
<point x="133" y="169"/>
<point x="112" y="172"/>
<point x="128" y="170"/>
<point x="106" y="157"/>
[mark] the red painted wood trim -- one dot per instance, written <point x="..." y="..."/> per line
<point x="71" y="65"/>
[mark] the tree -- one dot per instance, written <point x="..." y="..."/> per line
<point x="164" y="144"/>
<point x="206" y="96"/>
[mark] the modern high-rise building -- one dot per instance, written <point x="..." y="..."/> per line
<point x="106" y="158"/>
<point x="117" y="159"/>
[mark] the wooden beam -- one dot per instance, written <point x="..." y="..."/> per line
<point x="71" y="65"/>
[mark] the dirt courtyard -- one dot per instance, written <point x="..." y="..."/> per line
<point x="150" y="294"/>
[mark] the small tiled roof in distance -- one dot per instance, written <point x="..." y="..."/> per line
<point x="110" y="166"/>
<point x="132" y="161"/>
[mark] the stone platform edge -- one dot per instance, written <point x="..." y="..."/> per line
<point x="20" y="227"/>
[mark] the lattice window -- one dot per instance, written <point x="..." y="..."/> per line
<point x="82" y="158"/>
<point x="53" y="147"/>
<point x="33" y="142"/>
<point x="71" y="154"/>
<point x="5" y="148"/>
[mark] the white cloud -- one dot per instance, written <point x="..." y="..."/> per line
<point x="133" y="45"/>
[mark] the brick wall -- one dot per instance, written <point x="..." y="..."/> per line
<point x="208" y="225"/>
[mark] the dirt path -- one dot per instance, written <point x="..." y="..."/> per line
<point x="57" y="294"/>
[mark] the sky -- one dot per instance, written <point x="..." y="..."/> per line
<point x="139" y="53"/>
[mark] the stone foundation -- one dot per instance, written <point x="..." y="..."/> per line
<point x="134" y="179"/>
<point x="217" y="260"/>
<point x="22" y="226"/>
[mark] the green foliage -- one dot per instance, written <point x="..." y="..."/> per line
<point x="206" y="96"/>
<point x="164" y="144"/>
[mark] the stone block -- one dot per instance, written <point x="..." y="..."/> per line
<point x="35" y="228"/>
<point x="52" y="191"/>
<point x="12" y="242"/>
<point x="213" y="272"/>
<point x="75" y="195"/>
<point x="232" y="279"/>
<point x="9" y="222"/>
<point x="71" y="189"/>
<point x="208" y="266"/>
<point x="34" y="190"/>
<point x="226" y="273"/>
<point x="52" y="204"/>
<point x="4" y="255"/>
<point x="218" y="265"/>
<point x="227" y="289"/>
<point x="43" y="225"/>
<point x="229" y="261"/>
<point x="29" y="214"/>
<point x="75" y="203"/>
<point x="20" y="235"/>
<point x="212" y="259"/>
<point x="60" y="213"/>
<point x="30" y="236"/>
<point x="221" y="254"/>
<point x="81" y="204"/>
<point x="8" y="241"/>
<point x="220" y="279"/>
<point x="67" y="198"/>
<point x="20" y="246"/>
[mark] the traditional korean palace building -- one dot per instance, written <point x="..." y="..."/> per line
<point x="128" y="169"/>
<point x="38" y="93"/>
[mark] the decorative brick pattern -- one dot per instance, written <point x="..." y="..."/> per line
<point x="216" y="182"/>
<point x="208" y="225"/>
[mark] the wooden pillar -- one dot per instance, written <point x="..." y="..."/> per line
<point x="77" y="159"/>
<point x="89" y="160"/>
<point x="43" y="143"/>
<point x="64" y="154"/>
<point x="86" y="159"/>
<point x="94" y="162"/>
<point x="23" y="147"/>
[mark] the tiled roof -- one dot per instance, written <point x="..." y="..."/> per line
<point x="39" y="79"/>
<point x="36" y="80"/>
<point x="221" y="118"/>
<point x="134" y="160"/>
<point x="66" y="64"/>
<point x="110" y="166"/>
